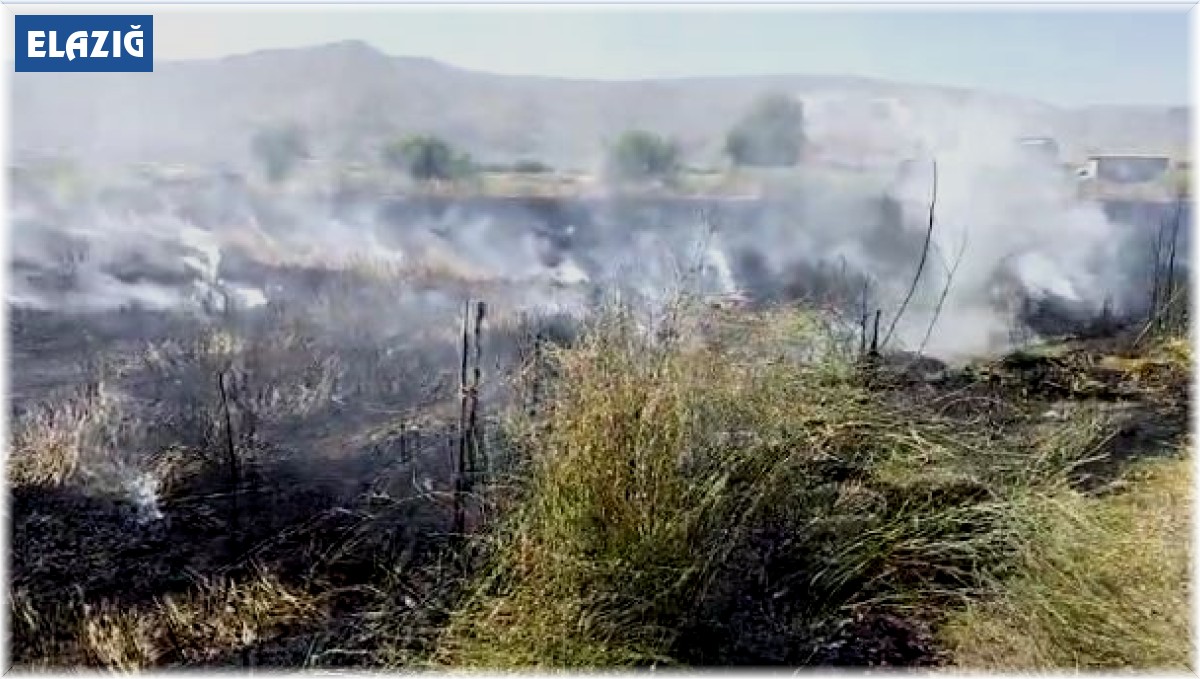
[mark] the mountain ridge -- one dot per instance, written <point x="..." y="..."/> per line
<point x="352" y="97"/>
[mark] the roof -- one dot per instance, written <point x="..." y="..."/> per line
<point x="1129" y="156"/>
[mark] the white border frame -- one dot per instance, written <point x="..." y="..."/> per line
<point x="99" y="6"/>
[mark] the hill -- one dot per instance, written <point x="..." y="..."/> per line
<point x="351" y="97"/>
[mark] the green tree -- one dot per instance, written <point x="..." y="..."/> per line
<point x="426" y="157"/>
<point x="279" y="150"/>
<point x="640" y="156"/>
<point x="771" y="134"/>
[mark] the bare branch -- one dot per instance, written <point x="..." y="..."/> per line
<point x="1174" y="243"/>
<point x="937" y="310"/>
<point x="921" y="264"/>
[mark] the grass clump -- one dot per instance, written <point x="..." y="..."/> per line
<point x="668" y="481"/>
<point x="721" y="497"/>
<point x="217" y="623"/>
<point x="1100" y="582"/>
<point x="52" y="444"/>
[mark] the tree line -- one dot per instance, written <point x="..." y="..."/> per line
<point x="770" y="134"/>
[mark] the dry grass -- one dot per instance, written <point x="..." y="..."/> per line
<point x="657" y="462"/>
<point x="53" y="444"/>
<point x="626" y="486"/>
<point x="219" y="619"/>
<point x="732" y="479"/>
<point x="215" y="624"/>
<point x="429" y="266"/>
<point x="655" y="466"/>
<point x="1100" y="583"/>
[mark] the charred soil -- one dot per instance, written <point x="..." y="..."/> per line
<point x="704" y="508"/>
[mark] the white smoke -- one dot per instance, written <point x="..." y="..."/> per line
<point x="1007" y="214"/>
<point x="717" y="264"/>
<point x="1003" y="209"/>
<point x="142" y="488"/>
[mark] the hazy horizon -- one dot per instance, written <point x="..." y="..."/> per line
<point x="1072" y="58"/>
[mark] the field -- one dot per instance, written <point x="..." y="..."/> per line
<point x="713" y="486"/>
<point x="335" y="426"/>
<point x="327" y="358"/>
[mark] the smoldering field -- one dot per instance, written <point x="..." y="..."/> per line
<point x="161" y="328"/>
<point x="340" y="312"/>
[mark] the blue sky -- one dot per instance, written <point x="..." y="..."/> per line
<point x="1100" y="55"/>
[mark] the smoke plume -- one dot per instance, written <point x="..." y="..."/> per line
<point x="836" y="234"/>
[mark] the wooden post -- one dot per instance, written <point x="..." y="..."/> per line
<point x="862" y="343"/>
<point x="463" y="400"/>
<point x="875" y="334"/>
<point x="476" y="449"/>
<point x="231" y="452"/>
<point x="535" y="386"/>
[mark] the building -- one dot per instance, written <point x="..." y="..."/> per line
<point x="1137" y="177"/>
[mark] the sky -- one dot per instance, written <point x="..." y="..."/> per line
<point x="1060" y="55"/>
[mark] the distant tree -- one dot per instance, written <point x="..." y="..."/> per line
<point x="279" y="150"/>
<point x="523" y="166"/>
<point x="426" y="157"/>
<point x="640" y="156"/>
<point x="527" y="166"/>
<point x="771" y="134"/>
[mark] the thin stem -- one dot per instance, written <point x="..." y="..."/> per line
<point x="937" y="310"/>
<point x="921" y="264"/>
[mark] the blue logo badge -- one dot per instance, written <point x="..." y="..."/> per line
<point x="101" y="43"/>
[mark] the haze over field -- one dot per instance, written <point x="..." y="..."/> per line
<point x="350" y="100"/>
<point x="353" y="97"/>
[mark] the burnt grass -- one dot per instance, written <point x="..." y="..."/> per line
<point x="336" y="442"/>
<point x="350" y="490"/>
